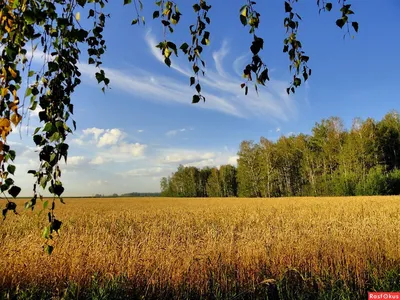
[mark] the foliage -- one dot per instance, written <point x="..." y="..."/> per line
<point x="206" y="182"/>
<point x="331" y="161"/>
<point x="376" y="182"/>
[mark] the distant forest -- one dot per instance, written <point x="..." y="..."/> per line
<point x="332" y="161"/>
<point x="130" y="195"/>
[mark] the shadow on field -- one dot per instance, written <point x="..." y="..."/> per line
<point x="292" y="285"/>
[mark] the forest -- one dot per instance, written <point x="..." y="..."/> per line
<point x="331" y="161"/>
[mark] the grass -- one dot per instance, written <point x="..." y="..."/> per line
<point x="144" y="248"/>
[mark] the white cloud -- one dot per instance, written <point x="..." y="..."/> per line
<point x="278" y="129"/>
<point x="144" y="172"/>
<point x="196" y="158"/>
<point x="290" y="133"/>
<point x="98" y="160"/>
<point x="95" y="132"/>
<point x="140" y="130"/>
<point x="110" y="137"/>
<point x="134" y="150"/>
<point x="75" y="160"/>
<point x="187" y="156"/>
<point x="98" y="182"/>
<point x="114" y="143"/>
<point x="233" y="160"/>
<point x="221" y="89"/>
<point x="219" y="56"/>
<point x="101" y="137"/>
<point x="176" y="131"/>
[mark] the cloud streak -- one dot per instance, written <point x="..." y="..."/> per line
<point x="221" y="89"/>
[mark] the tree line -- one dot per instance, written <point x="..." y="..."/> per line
<point x="331" y="161"/>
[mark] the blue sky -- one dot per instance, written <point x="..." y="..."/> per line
<point x="145" y="125"/>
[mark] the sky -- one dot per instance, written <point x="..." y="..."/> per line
<point x="145" y="125"/>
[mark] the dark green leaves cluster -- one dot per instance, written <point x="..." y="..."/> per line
<point x="293" y="47"/>
<point x="256" y="70"/>
<point x="344" y="20"/>
<point x="250" y="17"/>
<point x="54" y="28"/>
<point x="200" y="37"/>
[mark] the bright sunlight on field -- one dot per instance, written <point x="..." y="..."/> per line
<point x="206" y="248"/>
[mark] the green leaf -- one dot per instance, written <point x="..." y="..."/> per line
<point x="127" y="2"/>
<point x="355" y="26"/>
<point x="82" y="2"/>
<point x="9" y="181"/>
<point x="48" y="127"/>
<point x="48" y="249"/>
<point x="58" y="190"/>
<point x="28" y="92"/>
<point x="11" y="169"/>
<point x="305" y="58"/>
<point x="46" y="232"/>
<point x="37" y="139"/>
<point x="198" y="88"/>
<point x="288" y="8"/>
<point x="328" y="6"/>
<point x="156" y="14"/>
<point x="196" y="99"/>
<point x="4" y="187"/>
<point x="55" y="225"/>
<point x="28" y="204"/>
<point x="29" y="17"/>
<point x="12" y="154"/>
<point x="45" y="204"/>
<point x="14" y="191"/>
<point x="11" y="206"/>
<point x="55" y="136"/>
<point x="243" y="20"/>
<point x="184" y="47"/>
<point x="196" y="7"/>
<point x="297" y="82"/>
<point x="192" y="81"/>
<point x="340" y="23"/>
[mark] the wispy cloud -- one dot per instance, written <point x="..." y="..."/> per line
<point x="144" y="172"/>
<point x="176" y="131"/>
<point x="307" y="92"/>
<point x="220" y="87"/>
<point x="196" y="158"/>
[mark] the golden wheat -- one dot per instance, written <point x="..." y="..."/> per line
<point x="158" y="242"/>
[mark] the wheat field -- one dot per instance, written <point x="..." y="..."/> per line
<point x="206" y="248"/>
